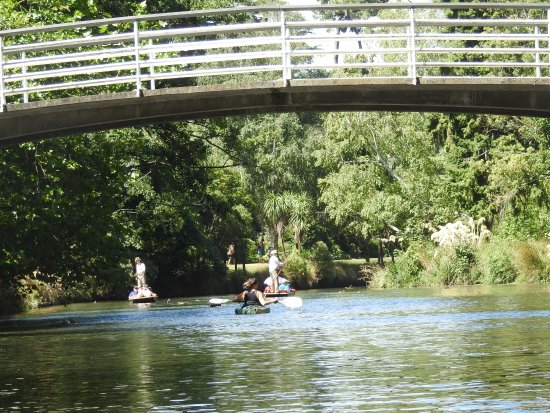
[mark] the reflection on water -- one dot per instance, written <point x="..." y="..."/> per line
<point x="458" y="349"/>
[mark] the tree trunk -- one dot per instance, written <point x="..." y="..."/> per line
<point x="380" y="253"/>
<point x="273" y="238"/>
<point x="280" y="231"/>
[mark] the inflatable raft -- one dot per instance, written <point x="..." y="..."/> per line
<point x="252" y="309"/>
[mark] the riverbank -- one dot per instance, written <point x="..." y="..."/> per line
<point x="421" y="265"/>
<point x="344" y="273"/>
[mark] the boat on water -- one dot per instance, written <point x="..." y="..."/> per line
<point x="280" y="294"/>
<point x="139" y="300"/>
<point x="142" y="295"/>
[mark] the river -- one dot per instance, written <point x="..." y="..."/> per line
<point x="460" y="349"/>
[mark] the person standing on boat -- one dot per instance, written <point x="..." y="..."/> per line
<point x="251" y="296"/>
<point x="275" y="267"/>
<point x="140" y="273"/>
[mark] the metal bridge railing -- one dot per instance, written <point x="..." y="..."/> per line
<point x="244" y="44"/>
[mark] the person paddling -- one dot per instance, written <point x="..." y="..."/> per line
<point x="251" y="296"/>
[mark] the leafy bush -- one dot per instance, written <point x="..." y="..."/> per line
<point x="494" y="263"/>
<point x="252" y="252"/>
<point x="36" y="293"/>
<point x="297" y="272"/>
<point x="10" y="299"/>
<point x="321" y="264"/>
<point x="405" y="271"/>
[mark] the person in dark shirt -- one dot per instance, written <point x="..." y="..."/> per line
<point x="251" y="296"/>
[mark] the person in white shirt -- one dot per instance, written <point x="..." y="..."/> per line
<point x="268" y="282"/>
<point x="275" y="267"/>
<point x="140" y="273"/>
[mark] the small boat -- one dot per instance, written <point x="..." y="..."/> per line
<point x="140" y="300"/>
<point x="252" y="309"/>
<point x="280" y="294"/>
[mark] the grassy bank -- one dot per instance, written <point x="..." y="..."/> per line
<point x="421" y="265"/>
<point x="500" y="261"/>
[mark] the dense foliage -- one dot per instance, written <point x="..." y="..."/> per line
<point x="75" y="211"/>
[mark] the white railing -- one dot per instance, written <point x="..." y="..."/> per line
<point x="266" y="43"/>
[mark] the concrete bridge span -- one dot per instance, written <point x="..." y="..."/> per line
<point x="62" y="117"/>
<point x="93" y="75"/>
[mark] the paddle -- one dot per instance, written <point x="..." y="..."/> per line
<point x="290" y="302"/>
<point x="218" y="301"/>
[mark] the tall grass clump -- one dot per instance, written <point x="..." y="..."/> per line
<point x="532" y="262"/>
<point x="451" y="265"/>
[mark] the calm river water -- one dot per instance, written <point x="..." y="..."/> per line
<point x="467" y="349"/>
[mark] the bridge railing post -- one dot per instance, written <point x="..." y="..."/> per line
<point x="25" y="81"/>
<point x="412" y="47"/>
<point x="152" y="56"/>
<point x="137" y="62"/>
<point x="287" y="74"/>
<point x="2" y="92"/>
<point x="548" y="30"/>
<point x="537" y="52"/>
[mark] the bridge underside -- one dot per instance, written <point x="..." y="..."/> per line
<point x="71" y="116"/>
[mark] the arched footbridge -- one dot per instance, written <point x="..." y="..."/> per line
<point x="102" y="74"/>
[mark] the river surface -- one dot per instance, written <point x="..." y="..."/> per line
<point x="464" y="349"/>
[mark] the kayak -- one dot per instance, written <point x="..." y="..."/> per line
<point x="252" y="309"/>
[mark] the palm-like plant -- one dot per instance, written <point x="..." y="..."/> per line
<point x="275" y="208"/>
<point x="300" y="208"/>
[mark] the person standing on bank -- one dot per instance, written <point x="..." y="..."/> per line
<point x="231" y="254"/>
<point x="275" y="267"/>
<point x="261" y="249"/>
<point x="140" y="273"/>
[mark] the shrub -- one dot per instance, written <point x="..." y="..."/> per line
<point x="10" y="299"/>
<point x="321" y="264"/>
<point x="405" y="271"/>
<point x="494" y="263"/>
<point x="296" y="270"/>
<point x="252" y="252"/>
